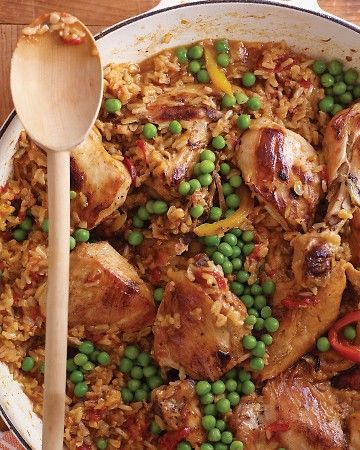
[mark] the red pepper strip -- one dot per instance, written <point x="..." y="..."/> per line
<point x="341" y="346"/>
<point x="170" y="439"/>
<point x="299" y="302"/>
<point x="72" y="41"/>
<point x="277" y="427"/>
<point x="130" y="168"/>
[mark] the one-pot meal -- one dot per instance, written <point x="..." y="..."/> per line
<point x="214" y="290"/>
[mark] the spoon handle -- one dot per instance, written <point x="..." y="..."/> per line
<point x="58" y="164"/>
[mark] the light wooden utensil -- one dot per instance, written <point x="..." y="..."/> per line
<point x="56" y="86"/>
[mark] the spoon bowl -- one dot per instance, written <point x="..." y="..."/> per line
<point x="56" y="84"/>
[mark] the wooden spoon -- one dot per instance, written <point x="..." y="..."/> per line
<point x="56" y="85"/>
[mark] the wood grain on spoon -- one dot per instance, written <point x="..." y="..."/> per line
<point x="56" y="84"/>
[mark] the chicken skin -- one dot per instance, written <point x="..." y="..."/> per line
<point x="190" y="318"/>
<point x="179" y="407"/>
<point x="282" y="170"/>
<point x="101" y="182"/>
<point x="342" y="156"/>
<point x="294" y="412"/>
<point x="105" y="288"/>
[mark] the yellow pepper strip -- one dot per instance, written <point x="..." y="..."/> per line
<point x="216" y="75"/>
<point x="234" y="221"/>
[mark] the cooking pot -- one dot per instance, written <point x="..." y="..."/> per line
<point x="301" y="23"/>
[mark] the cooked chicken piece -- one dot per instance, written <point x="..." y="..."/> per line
<point x="199" y="315"/>
<point x="353" y="276"/>
<point x="298" y="414"/>
<point x="314" y="257"/>
<point x="105" y="288"/>
<point x="326" y="365"/>
<point x="354" y="238"/>
<point x="342" y="155"/>
<point x="281" y="168"/>
<point x="349" y="379"/>
<point x="178" y="406"/>
<point x="354" y="431"/>
<point x="101" y="182"/>
<point x="300" y="327"/>
<point x="164" y="113"/>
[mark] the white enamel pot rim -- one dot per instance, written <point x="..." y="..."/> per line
<point x="302" y="20"/>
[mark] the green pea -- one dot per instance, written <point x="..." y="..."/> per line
<point x="137" y="222"/>
<point x="260" y="301"/>
<point x="327" y="80"/>
<point x="339" y="88"/>
<point x="136" y="373"/>
<point x="101" y="444"/>
<point x="26" y="224"/>
<point x="228" y="101"/>
<point x="248" y="79"/>
<point x="227" y="267"/>
<point x="149" y="371"/>
<point x="212" y="240"/>
<point x="234" y="398"/>
<point x="236" y="251"/>
<point x="76" y="376"/>
<point x="323" y="344"/>
<point x="125" y="365"/>
<point x="155" y="381"/>
<point x="356" y="92"/>
<point x="223" y="59"/>
<point x="319" y="67"/>
<point x="221" y="424"/>
<point x="243" y="121"/>
<point x="184" y="188"/>
<point x="218" y="387"/>
<point x="196" y="211"/>
<point x="160" y="207"/>
<point x="237" y="263"/>
<point x="134" y="385"/>
<point x="175" y="127"/>
<point x="351" y="76"/>
<point x="208" y="422"/>
<point x="241" y="98"/>
<point x="266" y="312"/>
<point x="27" y="364"/>
<point x="250" y="320"/>
<point x="183" y="445"/>
<point x="70" y="365"/>
<point x="103" y="358"/>
<point x="206" y="167"/>
<point x="158" y="294"/>
<point x="86" y="347"/>
<point x="232" y="201"/>
<point x="126" y="395"/>
<point x="244" y="375"/>
<point x="259" y="324"/>
<point x="207" y="155"/>
<point x="155" y="429"/>
<point x="335" y="67"/>
<point x="131" y="352"/>
<point x="113" y="105"/>
<point x="326" y="104"/>
<point x="80" y="359"/>
<point x="247" y="387"/>
<point x="206" y="446"/>
<point x="140" y="395"/>
<point x="222" y="46"/>
<point x="337" y="108"/>
<point x="227" y="189"/>
<point x="249" y="342"/>
<point x="248" y="300"/>
<point x="210" y="409"/>
<point x="194" y="67"/>
<point x="73" y="195"/>
<point x="248" y="248"/>
<point x="259" y="349"/>
<point x="254" y="103"/>
<point x="242" y="276"/>
<point x="135" y="238"/>
<point x="271" y="324"/>
<point x="230" y="239"/>
<point x="72" y="243"/>
<point x="349" y="332"/>
<point x="149" y="130"/>
<point x="195" y="185"/>
<point x="223" y="406"/>
<point x="143" y="213"/>
<point x="196" y="52"/>
<point x="215" y="213"/>
<point x="181" y="54"/>
<point x="206" y="399"/>
<point x="255" y="312"/>
<point x="235" y="181"/>
<point x="210" y="251"/>
<point x="225" y="168"/>
<point x="236" y="445"/>
<point x="267" y="339"/>
<point x="214" y="435"/>
<point x="80" y="389"/>
<point x="19" y="234"/>
<point x="218" y="142"/>
<point x="45" y="225"/>
<point x="81" y="235"/>
<point x="149" y="206"/>
<point x="203" y="76"/>
<point x="268" y="287"/>
<point x="346" y="98"/>
<point x="226" y="437"/>
<point x="257" y="363"/>
<point x="218" y="257"/>
<point x="225" y="249"/>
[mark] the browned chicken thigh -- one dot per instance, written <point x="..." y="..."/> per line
<point x="105" y="288"/>
<point x="101" y="182"/>
<point x="199" y="332"/>
<point x="282" y="169"/>
<point x="342" y="156"/>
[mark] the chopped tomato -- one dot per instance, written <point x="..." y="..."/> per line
<point x="130" y="168"/>
<point x="277" y="427"/>
<point x="339" y="344"/>
<point x="306" y="84"/>
<point x="300" y="302"/>
<point x="84" y="447"/>
<point x="95" y="414"/>
<point x="170" y="439"/>
<point x="220" y="280"/>
<point x="156" y="275"/>
<point x="72" y="40"/>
